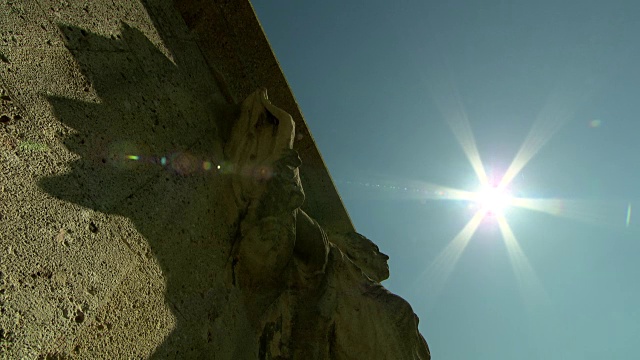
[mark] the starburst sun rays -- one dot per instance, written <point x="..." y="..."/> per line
<point x="493" y="201"/>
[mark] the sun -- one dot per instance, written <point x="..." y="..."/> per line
<point x="493" y="200"/>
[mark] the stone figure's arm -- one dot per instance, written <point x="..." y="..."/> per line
<point x="262" y="132"/>
<point x="261" y="137"/>
<point x="312" y="246"/>
<point x="285" y="124"/>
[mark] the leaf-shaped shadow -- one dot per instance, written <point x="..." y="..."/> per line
<point x="148" y="150"/>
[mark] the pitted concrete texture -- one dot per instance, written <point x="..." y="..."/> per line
<point x="113" y="231"/>
<point x="115" y="228"/>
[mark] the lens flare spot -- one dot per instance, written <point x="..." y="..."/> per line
<point x="595" y="123"/>
<point x="226" y="168"/>
<point x="127" y="155"/>
<point x="493" y="200"/>
<point x="263" y="172"/>
<point x="628" y="214"/>
<point x="206" y="165"/>
<point x="28" y="145"/>
<point x="184" y="163"/>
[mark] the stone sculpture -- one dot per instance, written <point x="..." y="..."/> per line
<point x="307" y="295"/>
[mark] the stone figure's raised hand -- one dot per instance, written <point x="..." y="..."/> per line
<point x="261" y="148"/>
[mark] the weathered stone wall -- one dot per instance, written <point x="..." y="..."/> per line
<point x="103" y="255"/>
<point x="118" y="225"/>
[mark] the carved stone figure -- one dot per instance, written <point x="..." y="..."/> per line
<point x="369" y="322"/>
<point x="307" y="295"/>
<point x="268" y="193"/>
<point x="364" y="254"/>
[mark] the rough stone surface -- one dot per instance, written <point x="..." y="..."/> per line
<point x="125" y="229"/>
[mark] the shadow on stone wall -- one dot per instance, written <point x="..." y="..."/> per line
<point x="148" y="150"/>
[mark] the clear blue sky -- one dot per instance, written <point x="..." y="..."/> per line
<point x="380" y="83"/>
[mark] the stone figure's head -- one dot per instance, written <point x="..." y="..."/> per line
<point x="261" y="158"/>
<point x="364" y="253"/>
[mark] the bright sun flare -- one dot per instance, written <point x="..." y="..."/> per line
<point x="493" y="200"/>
